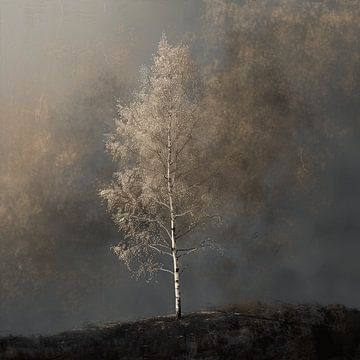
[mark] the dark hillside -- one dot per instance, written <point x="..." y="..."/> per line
<point x="255" y="332"/>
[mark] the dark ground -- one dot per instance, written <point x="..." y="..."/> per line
<point x="247" y="332"/>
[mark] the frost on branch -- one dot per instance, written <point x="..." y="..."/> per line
<point x="160" y="194"/>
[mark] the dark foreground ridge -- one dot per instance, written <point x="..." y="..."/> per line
<point x="248" y="332"/>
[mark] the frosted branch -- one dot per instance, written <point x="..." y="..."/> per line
<point x="160" y="251"/>
<point x="166" y="270"/>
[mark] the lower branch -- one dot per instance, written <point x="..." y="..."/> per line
<point x="160" y="251"/>
<point x="166" y="270"/>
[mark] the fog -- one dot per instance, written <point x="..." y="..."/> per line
<point x="289" y="197"/>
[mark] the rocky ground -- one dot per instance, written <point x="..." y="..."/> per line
<point x="247" y="332"/>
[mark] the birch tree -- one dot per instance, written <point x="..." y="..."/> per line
<point x="160" y="195"/>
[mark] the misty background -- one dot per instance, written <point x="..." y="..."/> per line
<point x="281" y="89"/>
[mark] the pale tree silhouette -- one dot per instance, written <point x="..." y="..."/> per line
<point x="161" y="193"/>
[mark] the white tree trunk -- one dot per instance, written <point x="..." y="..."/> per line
<point x="176" y="274"/>
<point x="170" y="179"/>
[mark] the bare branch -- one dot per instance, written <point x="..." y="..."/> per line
<point x="158" y="154"/>
<point x="149" y="220"/>
<point x="166" y="270"/>
<point x="190" y="229"/>
<point x="184" y="213"/>
<point x="161" y="202"/>
<point x="191" y="250"/>
<point x="160" y="251"/>
<point x="182" y="147"/>
<point x="164" y="246"/>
